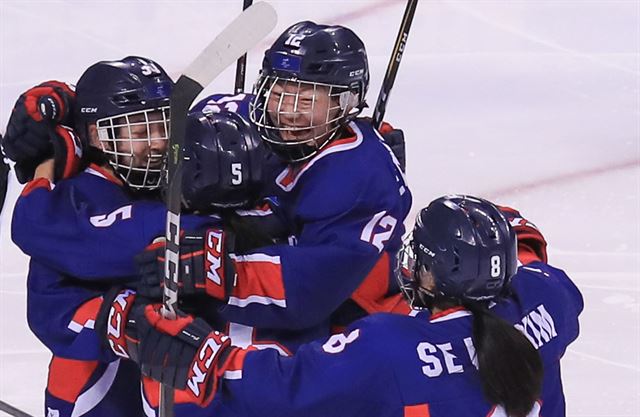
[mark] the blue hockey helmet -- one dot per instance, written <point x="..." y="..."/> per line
<point x="223" y="163"/>
<point x="309" y="60"/>
<point x="128" y="101"/>
<point x="463" y="246"/>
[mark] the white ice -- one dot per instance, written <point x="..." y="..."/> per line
<point x="534" y="104"/>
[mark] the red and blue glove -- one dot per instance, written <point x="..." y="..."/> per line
<point x="532" y="246"/>
<point x="115" y="321"/>
<point x="35" y="134"/>
<point x="184" y="353"/>
<point x="205" y="266"/>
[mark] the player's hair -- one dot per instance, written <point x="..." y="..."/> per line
<point x="469" y="250"/>
<point x="510" y="367"/>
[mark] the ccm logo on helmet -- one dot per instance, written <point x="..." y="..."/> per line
<point x="89" y="110"/>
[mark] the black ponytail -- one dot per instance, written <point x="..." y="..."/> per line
<point x="510" y="367"/>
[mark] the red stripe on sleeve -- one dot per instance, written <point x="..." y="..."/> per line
<point x="67" y="377"/>
<point x="258" y="278"/>
<point x="420" y="410"/>
<point x="87" y="311"/>
<point x="372" y="296"/>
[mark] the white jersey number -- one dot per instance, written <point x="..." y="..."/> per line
<point x="229" y="103"/>
<point x="106" y="220"/>
<point x="338" y="342"/>
<point x="380" y="220"/>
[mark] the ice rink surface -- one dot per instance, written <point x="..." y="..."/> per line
<point x="534" y="104"/>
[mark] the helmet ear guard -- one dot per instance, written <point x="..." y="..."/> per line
<point x="350" y="100"/>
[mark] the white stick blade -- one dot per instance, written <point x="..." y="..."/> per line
<point x="242" y="34"/>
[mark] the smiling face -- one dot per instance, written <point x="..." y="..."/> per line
<point x="141" y="139"/>
<point x="136" y="144"/>
<point x="297" y="118"/>
<point x="303" y="112"/>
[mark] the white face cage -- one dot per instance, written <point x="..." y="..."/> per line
<point x="407" y="277"/>
<point x="136" y="144"/>
<point x="298" y="118"/>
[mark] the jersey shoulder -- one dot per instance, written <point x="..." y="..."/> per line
<point x="355" y="171"/>
<point x="544" y="306"/>
<point x="538" y="281"/>
<point x="215" y="103"/>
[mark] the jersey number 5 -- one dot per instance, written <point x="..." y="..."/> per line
<point x="106" y="220"/>
<point x="380" y="221"/>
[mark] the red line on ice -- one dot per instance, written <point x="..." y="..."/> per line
<point x="563" y="178"/>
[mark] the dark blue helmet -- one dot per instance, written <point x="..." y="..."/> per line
<point x="309" y="57"/>
<point x="117" y="96"/>
<point x="223" y="163"/>
<point x="466" y="245"/>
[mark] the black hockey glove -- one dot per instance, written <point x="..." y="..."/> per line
<point x="31" y="136"/>
<point x="531" y="244"/>
<point x="184" y="353"/>
<point x="394" y="138"/>
<point x="205" y="266"/>
<point x="257" y="228"/>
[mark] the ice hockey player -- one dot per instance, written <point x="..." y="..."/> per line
<point x="338" y="188"/>
<point x="380" y="225"/>
<point x="76" y="231"/>
<point x="487" y="342"/>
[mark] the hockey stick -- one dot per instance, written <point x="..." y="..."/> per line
<point x="394" y="63"/>
<point x="12" y="411"/>
<point x="242" y="34"/>
<point x="241" y="64"/>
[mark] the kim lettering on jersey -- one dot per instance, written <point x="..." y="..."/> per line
<point x="438" y="358"/>
<point x="538" y="326"/>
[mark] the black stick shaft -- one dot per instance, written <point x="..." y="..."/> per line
<point x="12" y="411"/>
<point x="394" y="63"/>
<point x="184" y="92"/>
<point x="241" y="65"/>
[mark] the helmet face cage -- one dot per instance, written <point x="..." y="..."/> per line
<point x="289" y="119"/>
<point x="407" y="275"/>
<point x="136" y="144"/>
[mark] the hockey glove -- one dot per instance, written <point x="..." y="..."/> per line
<point x="116" y="324"/>
<point x="531" y="244"/>
<point x="28" y="140"/>
<point x="394" y="138"/>
<point x="183" y="353"/>
<point x="205" y="266"/>
<point x="257" y="228"/>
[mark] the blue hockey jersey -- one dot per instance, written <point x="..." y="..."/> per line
<point x="346" y="218"/>
<point x="389" y="365"/>
<point x="76" y="234"/>
<point x="346" y="207"/>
